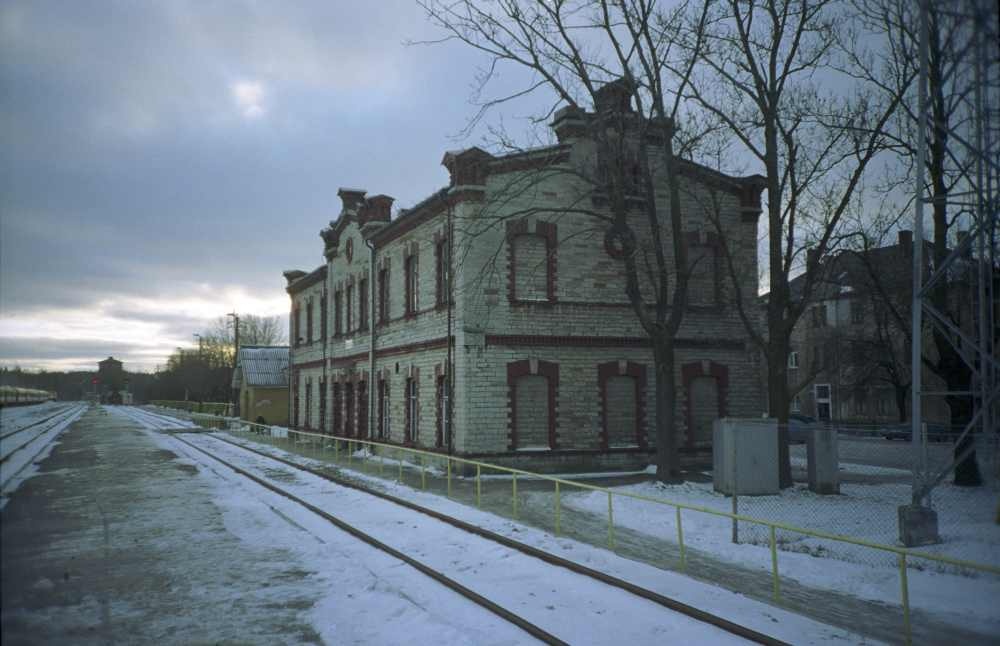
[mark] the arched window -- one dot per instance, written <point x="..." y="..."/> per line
<point x="532" y="386"/>
<point x="531" y="257"/>
<point x="531" y="268"/>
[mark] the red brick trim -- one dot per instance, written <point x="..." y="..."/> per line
<point x="310" y="279"/>
<point x="413" y="375"/>
<point x="411" y="264"/>
<point x="626" y="369"/>
<point x="406" y="222"/>
<point x="693" y="370"/>
<point x="531" y="160"/>
<point x="523" y="368"/>
<point x="430" y="344"/>
<point x="309" y="364"/>
<point x="548" y="232"/>
<point x="536" y="340"/>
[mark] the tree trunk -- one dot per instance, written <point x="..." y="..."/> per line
<point x="667" y="459"/>
<point x="777" y="402"/>
<point x="901" y="401"/>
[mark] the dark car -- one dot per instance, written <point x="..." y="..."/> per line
<point x="935" y="432"/>
<point x="799" y="427"/>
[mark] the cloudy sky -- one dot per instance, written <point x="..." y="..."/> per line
<point x="163" y="162"/>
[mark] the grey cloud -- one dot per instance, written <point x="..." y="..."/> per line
<point x="28" y="349"/>
<point x="128" y="171"/>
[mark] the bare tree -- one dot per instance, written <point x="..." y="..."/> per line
<point x="949" y="181"/>
<point x="763" y="67"/>
<point x="618" y="57"/>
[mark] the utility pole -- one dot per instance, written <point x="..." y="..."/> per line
<point x="236" y="352"/>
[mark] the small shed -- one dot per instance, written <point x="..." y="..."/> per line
<point x="261" y="377"/>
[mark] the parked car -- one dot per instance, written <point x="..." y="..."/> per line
<point x="799" y="427"/>
<point x="935" y="432"/>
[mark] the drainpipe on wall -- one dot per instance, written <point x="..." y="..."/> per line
<point x="372" y="387"/>
<point x="449" y="393"/>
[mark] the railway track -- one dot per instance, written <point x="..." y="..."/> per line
<point x="20" y="447"/>
<point x="572" y="575"/>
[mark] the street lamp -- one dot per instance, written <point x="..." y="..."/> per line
<point x="236" y="351"/>
<point x="201" y="345"/>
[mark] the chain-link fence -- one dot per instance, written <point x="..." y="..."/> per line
<point x="876" y="470"/>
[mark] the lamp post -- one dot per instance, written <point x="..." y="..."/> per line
<point x="236" y="352"/>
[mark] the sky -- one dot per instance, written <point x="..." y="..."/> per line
<point x="163" y="162"/>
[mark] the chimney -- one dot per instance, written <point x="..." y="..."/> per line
<point x="378" y="208"/>
<point x="569" y="123"/>
<point x="351" y="198"/>
<point x="906" y="239"/>
<point x="812" y="257"/>
<point x="614" y="97"/>
<point x="467" y="167"/>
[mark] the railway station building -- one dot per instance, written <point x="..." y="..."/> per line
<point x="491" y="319"/>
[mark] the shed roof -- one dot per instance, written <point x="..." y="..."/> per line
<point x="262" y="366"/>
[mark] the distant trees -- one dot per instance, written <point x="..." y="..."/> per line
<point x="205" y="374"/>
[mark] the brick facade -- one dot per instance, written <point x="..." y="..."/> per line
<point x="544" y="326"/>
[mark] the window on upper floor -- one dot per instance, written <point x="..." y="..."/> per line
<point x="323" y="316"/>
<point x="363" y="304"/>
<point x="338" y="313"/>
<point x="442" y="274"/>
<point x="309" y="321"/>
<point x="703" y="285"/>
<point x="531" y="271"/>
<point x="793" y="359"/>
<point x="350" y="309"/>
<point x="410" y="285"/>
<point x="297" y="326"/>
<point x="383" y="296"/>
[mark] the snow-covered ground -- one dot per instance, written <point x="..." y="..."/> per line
<point x="828" y="564"/>
<point x="13" y="418"/>
<point x="23" y="450"/>
<point x="511" y="579"/>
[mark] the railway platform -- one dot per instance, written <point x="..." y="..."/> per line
<point x="136" y="531"/>
<point x="115" y="541"/>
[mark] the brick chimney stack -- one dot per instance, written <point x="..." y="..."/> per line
<point x="906" y="239"/>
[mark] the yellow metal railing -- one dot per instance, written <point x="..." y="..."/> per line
<point x="209" y="408"/>
<point x="904" y="555"/>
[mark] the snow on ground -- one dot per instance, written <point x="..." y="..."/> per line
<point x="21" y="455"/>
<point x="367" y="597"/>
<point x="13" y="418"/>
<point x="843" y="567"/>
<point x="776" y="622"/>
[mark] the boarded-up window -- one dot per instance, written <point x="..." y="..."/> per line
<point x="621" y="411"/>
<point x="532" y="416"/>
<point x="704" y="401"/>
<point x="531" y="268"/>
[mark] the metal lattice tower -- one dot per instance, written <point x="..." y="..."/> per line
<point x="971" y="80"/>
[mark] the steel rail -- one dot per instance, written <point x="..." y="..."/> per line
<point x="4" y="436"/>
<point x="3" y="485"/>
<point x="468" y="593"/>
<point x="63" y="414"/>
<point x="552" y="559"/>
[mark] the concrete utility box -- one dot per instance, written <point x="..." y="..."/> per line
<point x="918" y="526"/>
<point x="824" y="462"/>
<point x="745" y="456"/>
